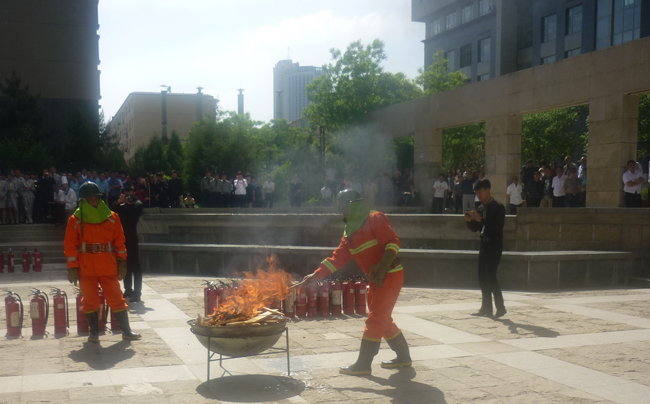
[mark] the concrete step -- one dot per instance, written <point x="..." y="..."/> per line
<point x="638" y="282"/>
<point x="20" y="239"/>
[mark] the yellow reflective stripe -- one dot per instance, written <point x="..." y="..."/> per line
<point x="364" y="246"/>
<point x="396" y="269"/>
<point x="394" y="336"/>
<point x="329" y="265"/>
<point x="392" y="246"/>
<point x="371" y="339"/>
<point x="121" y="252"/>
<point x="71" y="259"/>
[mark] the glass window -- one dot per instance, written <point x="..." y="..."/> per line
<point x="574" y="20"/>
<point x="549" y="28"/>
<point x="484" y="49"/>
<point x="450" y="20"/>
<point x="483" y="77"/>
<point x="451" y="58"/>
<point x="485" y="7"/>
<point x="617" y="22"/>
<point x="547" y="60"/>
<point x="572" y="53"/>
<point x="435" y="27"/>
<point x="466" y="14"/>
<point x="466" y="56"/>
<point x="525" y="36"/>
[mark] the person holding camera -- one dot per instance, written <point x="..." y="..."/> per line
<point x="129" y="209"/>
<point x="488" y="218"/>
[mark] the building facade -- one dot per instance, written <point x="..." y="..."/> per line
<point x="489" y="38"/>
<point x="289" y="83"/>
<point x="53" y="47"/>
<point x="141" y="117"/>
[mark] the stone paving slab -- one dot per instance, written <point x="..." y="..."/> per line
<point x="588" y="346"/>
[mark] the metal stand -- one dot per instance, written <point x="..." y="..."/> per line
<point x="221" y="358"/>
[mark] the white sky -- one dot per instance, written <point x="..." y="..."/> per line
<point x="226" y="45"/>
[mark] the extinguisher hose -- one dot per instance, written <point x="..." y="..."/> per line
<point x="21" y="312"/>
<point x="67" y="315"/>
<point x="47" y="307"/>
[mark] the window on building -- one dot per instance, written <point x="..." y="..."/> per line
<point x="483" y="77"/>
<point x="485" y="7"/>
<point x="435" y="27"/>
<point x="466" y="14"/>
<point x="466" y="56"/>
<point x="450" y="21"/>
<point x="549" y="28"/>
<point x="484" y="49"/>
<point x="571" y="53"/>
<point x="547" y="60"/>
<point x="525" y="35"/>
<point x="574" y="20"/>
<point x="617" y="22"/>
<point x="451" y="58"/>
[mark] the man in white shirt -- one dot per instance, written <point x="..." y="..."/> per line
<point x="514" y="193"/>
<point x="558" y="188"/>
<point x="70" y="199"/>
<point x="632" y="181"/>
<point x="268" y="189"/>
<point x="240" y="185"/>
<point x="440" y="189"/>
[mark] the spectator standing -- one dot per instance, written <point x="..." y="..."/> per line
<point x="468" y="192"/>
<point x="215" y="190"/>
<point x="45" y="195"/>
<point x="440" y="189"/>
<point x="21" y="200"/>
<point x="450" y="180"/>
<point x="57" y="206"/>
<point x="258" y="195"/>
<point x="12" y="198"/>
<point x="514" y="192"/>
<point x="175" y="190"/>
<point x="240" y="186"/>
<point x="535" y="191"/>
<point x="572" y="189"/>
<point x="163" y="200"/>
<point x="75" y="183"/>
<point x="268" y="189"/>
<point x="582" y="167"/>
<point x="226" y="191"/>
<point x="326" y="194"/>
<point x="528" y="172"/>
<point x="547" y="199"/>
<point x="28" y="198"/>
<point x="103" y="186"/>
<point x="154" y="191"/>
<point x="142" y="192"/>
<point x="55" y="176"/>
<point x="114" y="188"/>
<point x="568" y="165"/>
<point x="583" y="189"/>
<point x="558" y="189"/>
<point x="250" y="191"/>
<point x="206" y="200"/>
<point x="632" y="181"/>
<point x="458" y="194"/>
<point x="70" y="200"/>
<point x="295" y="192"/>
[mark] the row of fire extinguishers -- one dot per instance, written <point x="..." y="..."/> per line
<point x="320" y="299"/>
<point x="34" y="260"/>
<point x="39" y="311"/>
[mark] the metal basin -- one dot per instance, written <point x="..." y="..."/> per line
<point x="238" y="341"/>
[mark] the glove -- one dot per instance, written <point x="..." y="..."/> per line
<point x="73" y="275"/>
<point x="121" y="268"/>
<point x="377" y="273"/>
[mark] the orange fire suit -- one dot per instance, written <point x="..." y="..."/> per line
<point x="96" y="257"/>
<point x="367" y="246"/>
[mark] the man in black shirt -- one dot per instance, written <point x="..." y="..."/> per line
<point x="534" y="191"/>
<point x="129" y="208"/>
<point x="489" y="219"/>
<point x="175" y="190"/>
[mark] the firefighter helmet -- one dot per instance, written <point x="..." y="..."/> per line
<point x="346" y="196"/>
<point x="89" y="189"/>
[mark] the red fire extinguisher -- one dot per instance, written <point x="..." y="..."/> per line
<point x="289" y="304"/>
<point x="301" y="301"/>
<point x="61" y="313"/>
<point x="335" y="298"/>
<point x="115" y="326"/>
<point x="312" y="300"/>
<point x="324" y="299"/>
<point x="10" y="262"/>
<point x="102" y="311"/>
<point x="37" y="260"/>
<point x="2" y="263"/>
<point x="82" y="322"/>
<point x="210" y="298"/>
<point x="360" y="289"/>
<point x="221" y="292"/>
<point x="14" y="312"/>
<point x="26" y="260"/>
<point x="39" y="311"/>
<point x="348" y="297"/>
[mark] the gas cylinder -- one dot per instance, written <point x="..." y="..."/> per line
<point x="312" y="300"/>
<point x="289" y="304"/>
<point x="335" y="298"/>
<point x="209" y="298"/>
<point x="324" y="299"/>
<point x="2" y="263"/>
<point x="360" y="289"/>
<point x="37" y="260"/>
<point x="301" y="301"/>
<point x="26" y="260"/>
<point x="10" y="262"/>
<point x="61" y="314"/>
<point x="14" y="313"/>
<point x="39" y="311"/>
<point x="221" y="293"/>
<point x="82" y="322"/>
<point x="102" y="311"/>
<point x="115" y="326"/>
<point x="348" y="298"/>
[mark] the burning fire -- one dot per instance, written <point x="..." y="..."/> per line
<point x="254" y="293"/>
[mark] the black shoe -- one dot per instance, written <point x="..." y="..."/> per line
<point x="500" y="313"/>
<point x="135" y="298"/>
<point x="93" y="326"/>
<point x="482" y="313"/>
<point x="401" y="348"/>
<point x="122" y="318"/>
<point x="127" y="293"/>
<point x="361" y="367"/>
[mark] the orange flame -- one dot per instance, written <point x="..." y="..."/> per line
<point x="257" y="291"/>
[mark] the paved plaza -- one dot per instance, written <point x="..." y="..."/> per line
<point x="556" y="347"/>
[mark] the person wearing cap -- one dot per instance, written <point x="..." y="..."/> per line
<point x="224" y="191"/>
<point x="96" y="256"/>
<point x="369" y="239"/>
<point x="205" y="189"/>
<point x="572" y="189"/>
<point x="129" y="209"/>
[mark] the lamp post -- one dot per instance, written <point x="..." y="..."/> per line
<point x="163" y="94"/>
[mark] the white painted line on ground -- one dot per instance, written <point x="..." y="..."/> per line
<point x="435" y="331"/>
<point x="161" y="309"/>
<point x="601" y="314"/>
<point x="578" y="340"/>
<point x="432" y="308"/>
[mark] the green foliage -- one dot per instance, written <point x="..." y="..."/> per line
<point x="553" y="134"/>
<point x="437" y="78"/>
<point x="33" y="156"/>
<point x="19" y="111"/>
<point x="174" y="152"/>
<point x="150" y="159"/>
<point x="463" y="146"/>
<point x="643" y="150"/>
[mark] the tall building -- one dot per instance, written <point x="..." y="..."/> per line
<point x="141" y="117"/>
<point x="488" y="38"/>
<point x="53" y="47"/>
<point x="289" y="83"/>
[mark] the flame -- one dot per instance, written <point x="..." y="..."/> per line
<point x="255" y="292"/>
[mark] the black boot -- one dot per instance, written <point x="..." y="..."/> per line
<point x="93" y="326"/>
<point x="367" y="352"/>
<point x="122" y="318"/>
<point x="401" y="348"/>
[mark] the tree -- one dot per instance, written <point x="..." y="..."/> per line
<point x="81" y="146"/>
<point x="150" y="159"/>
<point x="19" y="111"/>
<point x="174" y="152"/>
<point x="644" y="127"/>
<point x="437" y="78"/>
<point x="463" y="146"/>
<point x="32" y="155"/>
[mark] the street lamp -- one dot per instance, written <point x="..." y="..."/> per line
<point x="163" y="94"/>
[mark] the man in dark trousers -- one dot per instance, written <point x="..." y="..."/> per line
<point x="534" y="191"/>
<point x="175" y="190"/>
<point x="129" y="209"/>
<point x="489" y="219"/>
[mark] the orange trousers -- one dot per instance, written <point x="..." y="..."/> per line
<point x="381" y="301"/>
<point x="89" y="286"/>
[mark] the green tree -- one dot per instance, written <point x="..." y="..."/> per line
<point x="150" y="159"/>
<point x="463" y="146"/>
<point x="644" y="127"/>
<point x="19" y="110"/>
<point x="437" y="78"/>
<point x="174" y="152"/>
<point x="24" y="152"/>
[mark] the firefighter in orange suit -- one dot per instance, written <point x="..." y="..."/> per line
<point x="96" y="255"/>
<point x="369" y="239"/>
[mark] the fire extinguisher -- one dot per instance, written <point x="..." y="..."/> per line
<point x="301" y="301"/>
<point x="360" y="289"/>
<point x="210" y="298"/>
<point x="312" y="300"/>
<point x="61" y="311"/>
<point x="26" y="260"/>
<point x="37" y="260"/>
<point x="2" y="263"/>
<point x="115" y="326"/>
<point x="102" y="311"/>
<point x="10" y="262"/>
<point x="348" y="298"/>
<point x="335" y="299"/>
<point x="221" y="293"/>
<point x="14" y="312"/>
<point x="324" y="299"/>
<point x="82" y="322"/>
<point x="276" y="304"/>
<point x="289" y="304"/>
<point x="39" y="311"/>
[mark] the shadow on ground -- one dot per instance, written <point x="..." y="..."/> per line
<point x="100" y="358"/>
<point x="538" y="331"/>
<point x="138" y="308"/>
<point x="251" y="388"/>
<point x="403" y="386"/>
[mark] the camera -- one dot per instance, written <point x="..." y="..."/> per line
<point x="130" y="199"/>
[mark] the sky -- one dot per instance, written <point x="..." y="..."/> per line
<point x="225" y="45"/>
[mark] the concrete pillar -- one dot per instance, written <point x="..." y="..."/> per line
<point x="428" y="162"/>
<point x="613" y="127"/>
<point x="502" y="152"/>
